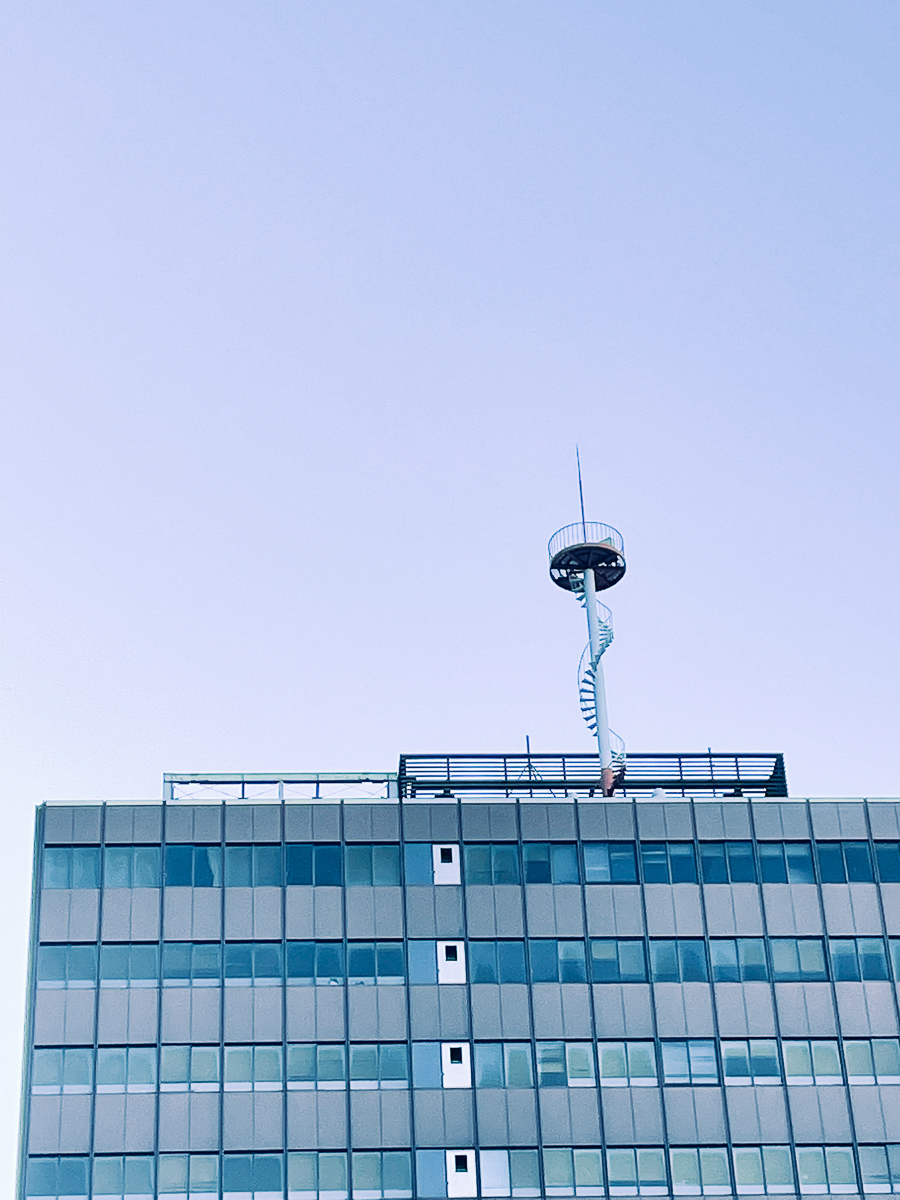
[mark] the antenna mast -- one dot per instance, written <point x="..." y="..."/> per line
<point x="585" y="559"/>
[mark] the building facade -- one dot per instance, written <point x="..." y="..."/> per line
<point x="468" y="978"/>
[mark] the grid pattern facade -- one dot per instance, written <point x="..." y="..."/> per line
<point x="322" y="1001"/>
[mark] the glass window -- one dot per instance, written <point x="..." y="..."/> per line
<point x="62" y="1072"/>
<point x="317" y="1067"/>
<point x="313" y="1176"/>
<point x="372" y="866"/>
<point x="193" y="866"/>
<point x="700" y="1172"/>
<point x="880" y="1168"/>
<point x="887" y="855"/>
<point x="503" y="1065"/>
<point x="565" y="1064"/>
<point x="259" y="1176"/>
<point x="610" y="862"/>
<point x="573" y="1172"/>
<point x="858" y="958"/>
<point x="798" y="959"/>
<point x="131" y="866"/>
<point x="378" y="1174"/>
<point x="310" y="963"/>
<point x="256" y="964"/>
<point x="844" y="862"/>
<point x="313" y="864"/>
<point x="751" y="1062"/>
<point x="627" y="1064"/>
<point x="681" y="960"/>
<point x="727" y="862"/>
<point x="692" y="1062"/>
<point x="825" y="1169"/>
<point x="378" y="1066"/>
<point x="812" y="1062"/>
<point x="117" y="1176"/>
<point x="668" y="862"/>
<point x="133" y="965"/>
<point x="497" y="962"/>
<point x="253" y="866"/>
<point x="637" y="1172"/>
<point x="253" y="1069"/>
<point x="507" y="1173"/>
<point x="618" y="960"/>
<point x="551" y="862"/>
<point x="375" y="962"/>
<point x="762" y="1170"/>
<point x="71" y="867"/>
<point x="67" y="966"/>
<point x="738" y="960"/>
<point x="495" y="864"/>
<point x="557" y="961"/>
<point x="57" y="1177"/>
<point x="185" y="1175"/>
<point x="786" y="862"/>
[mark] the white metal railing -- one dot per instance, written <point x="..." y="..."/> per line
<point x="591" y="533"/>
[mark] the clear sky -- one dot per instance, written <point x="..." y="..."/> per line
<point x="304" y="308"/>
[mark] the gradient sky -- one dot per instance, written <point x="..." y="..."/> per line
<point x="304" y="308"/>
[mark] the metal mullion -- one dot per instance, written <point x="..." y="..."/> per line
<point x="772" y="982"/>
<point x="887" y="943"/>
<point x="222" y="832"/>
<point x="831" y="980"/>
<point x="712" y="996"/>
<point x="590" y="979"/>
<point x="657" y="1047"/>
<point x="98" y="943"/>
<point x="476" y="1150"/>
<point x="346" y="986"/>
<point x="407" y="994"/>
<point x="33" y="949"/>
<point x="530" y="993"/>
<point x="159" y="991"/>
<point x="284" y="1038"/>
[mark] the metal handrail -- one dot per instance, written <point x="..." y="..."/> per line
<point x="585" y="533"/>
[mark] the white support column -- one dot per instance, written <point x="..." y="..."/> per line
<point x="590" y="596"/>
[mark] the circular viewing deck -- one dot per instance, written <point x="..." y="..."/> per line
<point x="585" y="546"/>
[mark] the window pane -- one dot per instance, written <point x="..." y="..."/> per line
<point x="843" y="958"/>
<point x="888" y="857"/>
<point x="872" y="958"/>
<point x="361" y="960"/>
<point x="358" y="864"/>
<point x="764" y="1061"/>
<point x="494" y="1172"/>
<point x="752" y="956"/>
<point x="641" y="1064"/>
<point x="298" y="863"/>
<point x="571" y="962"/>
<point x="799" y="862"/>
<point x="511" y="961"/>
<point x="146" y="866"/>
<point x="741" y="867"/>
<point x="858" y="1056"/>
<point x="771" y="864"/>
<point x="482" y="962"/>
<point x="544" y="961"/>
<point x="386" y="866"/>
<point x="712" y="862"/>
<point x="858" y="861"/>
<point x="267" y="866"/>
<point x="85" y="867"/>
<point x="692" y="955"/>
<point x="613" y="1068"/>
<point x="518" y="1065"/>
<point x="702" y="1056"/>
<point x="798" y="1062"/>
<point x="117" y="864"/>
<point x="682" y="864"/>
<point x="505" y="860"/>
<point x="238" y="866"/>
<point x="622" y="862"/>
<point x="524" y="1173"/>
<point x="654" y="862"/>
<point x="588" y="1172"/>
<point x="327" y="866"/>
<point x="736" y="1063"/>
<point x="675" y="1062"/>
<point x="812" y="958"/>
<point x="831" y="862"/>
<point x="489" y="1065"/>
<point x="537" y="863"/>
<point x="551" y="1062"/>
<point x="886" y="1055"/>
<point x="558" y="1171"/>
<point x="664" y="962"/>
<point x="478" y="865"/>
<point x="564" y="862"/>
<point x="596" y="863"/>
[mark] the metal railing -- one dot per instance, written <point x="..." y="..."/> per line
<point x="585" y="533"/>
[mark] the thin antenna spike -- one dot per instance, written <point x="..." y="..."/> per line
<point x="580" y="492"/>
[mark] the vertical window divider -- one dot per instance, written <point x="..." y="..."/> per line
<point x="590" y="984"/>
<point x="159" y="992"/>
<point x="476" y="1141"/>
<point x="96" y="1030"/>
<point x="345" y="951"/>
<point x="657" y="1048"/>
<point x="717" y="1047"/>
<point x="284" y="1022"/>
<point x="407" y="985"/>
<point x="33" y="951"/>
<point x="826" y="942"/>
<point x="222" y="836"/>
<point x="529" y="988"/>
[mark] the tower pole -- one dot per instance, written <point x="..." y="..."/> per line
<point x="590" y="596"/>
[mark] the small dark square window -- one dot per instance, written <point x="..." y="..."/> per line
<point x="462" y="1162"/>
<point x="450" y="953"/>
<point x="446" y="854"/>
<point x="456" y="1054"/>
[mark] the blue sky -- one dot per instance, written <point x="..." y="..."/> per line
<point x="304" y="308"/>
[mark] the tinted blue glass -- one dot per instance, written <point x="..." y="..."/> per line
<point x="266" y="961"/>
<point x="426" y="1065"/>
<point x="301" y="960"/>
<point x="298" y="860"/>
<point x="85" y="867"/>
<point x="329" y="961"/>
<point x="772" y="866"/>
<point x="564" y="864"/>
<point x="239" y="960"/>
<point x="712" y="862"/>
<point x="654" y="862"/>
<point x="478" y="865"/>
<point x="872" y="958"/>
<point x="237" y="1174"/>
<point x="389" y="960"/>
<point x="423" y="962"/>
<point x="692" y="960"/>
<point x="327" y="860"/>
<point x="858" y="862"/>
<point x="622" y="863"/>
<point x="238" y="866"/>
<point x="682" y="864"/>
<point x="417" y="862"/>
<point x="799" y="862"/>
<point x="505" y="864"/>
<point x="544" y="961"/>
<point x="664" y="962"/>
<point x="267" y="866"/>
<point x="888" y="856"/>
<point x="176" y="960"/>
<point x="537" y="862"/>
<point x="511" y="961"/>
<point x="741" y="868"/>
<point x="179" y="866"/>
<point x="831" y="862"/>
<point x="482" y="962"/>
<point x="361" y="960"/>
<point x="844" y="963"/>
